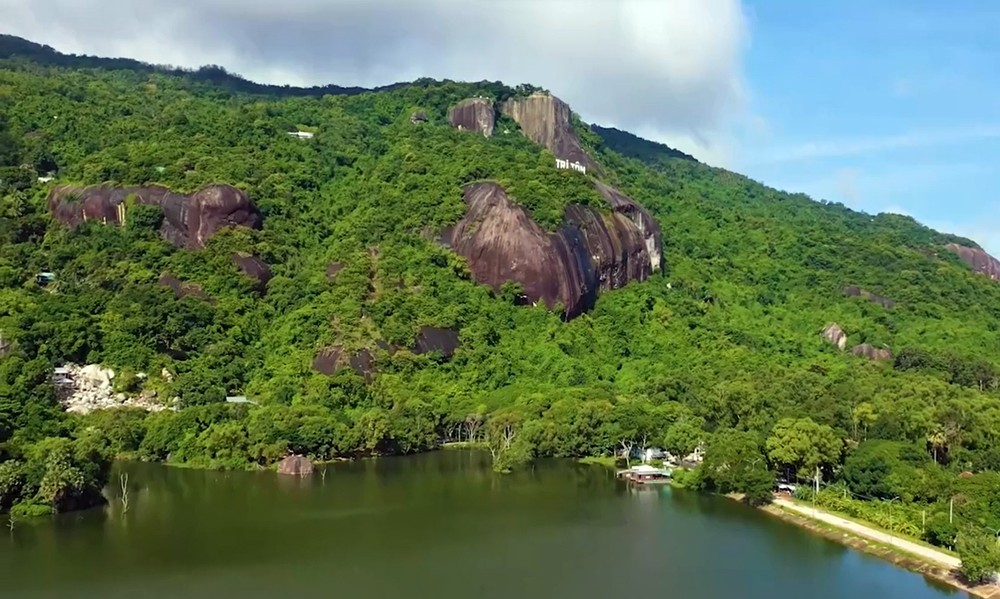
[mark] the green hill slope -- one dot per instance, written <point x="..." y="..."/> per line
<point x="728" y="339"/>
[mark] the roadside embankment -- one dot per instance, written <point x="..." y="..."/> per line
<point x="915" y="557"/>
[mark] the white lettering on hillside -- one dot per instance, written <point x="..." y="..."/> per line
<point x="576" y="166"/>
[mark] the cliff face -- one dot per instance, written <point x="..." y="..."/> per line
<point x="473" y="114"/>
<point x="545" y="119"/>
<point x="978" y="260"/>
<point x="648" y="228"/>
<point x="189" y="220"/>
<point x="591" y="251"/>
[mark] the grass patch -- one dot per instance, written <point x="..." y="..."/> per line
<point x="606" y="461"/>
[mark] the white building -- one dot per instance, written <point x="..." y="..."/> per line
<point x="301" y="134"/>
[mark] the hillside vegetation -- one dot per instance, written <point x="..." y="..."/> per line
<point x="724" y="348"/>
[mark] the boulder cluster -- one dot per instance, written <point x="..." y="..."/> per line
<point x="84" y="389"/>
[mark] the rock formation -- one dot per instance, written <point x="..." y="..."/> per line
<point x="295" y="465"/>
<point x="418" y="117"/>
<point x="547" y="121"/>
<point x="977" y="259"/>
<point x="333" y="269"/>
<point x="83" y="389"/>
<point x="473" y="114"/>
<point x="333" y="359"/>
<point x="869" y="351"/>
<point x="189" y="220"/>
<point x="253" y="267"/>
<point x="435" y="339"/>
<point x="853" y="291"/>
<point x="182" y="288"/>
<point x="835" y="335"/>
<point x="590" y="251"/>
<point x="647" y="226"/>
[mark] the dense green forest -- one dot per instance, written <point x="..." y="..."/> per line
<point x="723" y="350"/>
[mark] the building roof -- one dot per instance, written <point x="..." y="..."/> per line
<point x="238" y="399"/>
<point x="645" y="469"/>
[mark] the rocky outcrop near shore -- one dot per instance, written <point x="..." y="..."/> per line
<point x="295" y="465"/>
<point x="189" y="220"/>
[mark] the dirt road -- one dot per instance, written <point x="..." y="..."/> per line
<point x="870" y="533"/>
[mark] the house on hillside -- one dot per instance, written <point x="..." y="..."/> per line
<point x="301" y="134"/>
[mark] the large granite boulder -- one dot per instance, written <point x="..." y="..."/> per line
<point x="855" y="291"/>
<point x="253" y="267"/>
<point x="183" y="289"/>
<point x="591" y="250"/>
<point x="436" y="339"/>
<point x="473" y="114"/>
<point x="977" y="259"/>
<point x="189" y="220"/>
<point x="333" y="359"/>
<point x="295" y="465"/>
<point x="547" y="121"/>
<point x="867" y="350"/>
<point x="835" y="335"/>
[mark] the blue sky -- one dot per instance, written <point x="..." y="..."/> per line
<point x="884" y="105"/>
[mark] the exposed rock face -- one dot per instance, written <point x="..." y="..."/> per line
<point x="978" y="260"/>
<point x="869" y="351"/>
<point x="590" y="251"/>
<point x="434" y="339"/>
<point x="853" y="291"/>
<point x="182" y="288"/>
<point x="333" y="269"/>
<point x="473" y="114"/>
<point x="295" y="465"/>
<point x="332" y="360"/>
<point x="418" y="117"/>
<point x="545" y="119"/>
<point x="647" y="226"/>
<point x="253" y="267"/>
<point x="83" y="389"/>
<point x="835" y="335"/>
<point x="189" y="220"/>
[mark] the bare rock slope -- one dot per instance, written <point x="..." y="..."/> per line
<point x="189" y="220"/>
<point x="978" y="260"/>
<point x="591" y="251"/>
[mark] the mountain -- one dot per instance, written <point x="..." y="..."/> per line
<point x="383" y="270"/>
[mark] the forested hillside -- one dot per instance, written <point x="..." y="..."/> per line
<point x="722" y="345"/>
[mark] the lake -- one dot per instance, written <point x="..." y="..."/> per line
<point x="436" y="525"/>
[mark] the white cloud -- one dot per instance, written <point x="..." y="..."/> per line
<point x="874" y="145"/>
<point x="670" y="67"/>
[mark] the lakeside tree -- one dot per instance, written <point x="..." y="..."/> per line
<point x="980" y="556"/>
<point x="800" y="444"/>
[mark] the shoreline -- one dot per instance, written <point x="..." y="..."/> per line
<point x="893" y="555"/>
<point x="898" y="557"/>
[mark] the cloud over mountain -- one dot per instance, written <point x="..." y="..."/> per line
<point x="671" y="69"/>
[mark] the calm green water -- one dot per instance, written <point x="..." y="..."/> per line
<point x="437" y="526"/>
